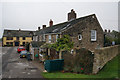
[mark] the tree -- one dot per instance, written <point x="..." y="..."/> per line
<point x="114" y="36"/>
<point x="62" y="44"/>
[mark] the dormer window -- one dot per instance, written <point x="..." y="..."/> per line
<point x="79" y="37"/>
<point x="93" y="35"/>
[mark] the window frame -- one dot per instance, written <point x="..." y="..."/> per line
<point x="17" y="38"/>
<point x="24" y="38"/>
<point x="80" y="37"/>
<point x="23" y="43"/>
<point x="43" y="37"/>
<point x="49" y="38"/>
<point x="9" y="38"/>
<point x="95" y="35"/>
<point x="56" y="37"/>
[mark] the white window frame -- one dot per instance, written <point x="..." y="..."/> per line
<point x="43" y="37"/>
<point x="93" y="35"/>
<point x="49" y="38"/>
<point x="56" y="37"/>
<point x="36" y="38"/>
<point x="79" y="37"/>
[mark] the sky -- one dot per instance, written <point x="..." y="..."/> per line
<point x="31" y="15"/>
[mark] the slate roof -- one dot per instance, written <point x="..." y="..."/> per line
<point x="37" y="43"/>
<point x="61" y="26"/>
<point x="17" y="33"/>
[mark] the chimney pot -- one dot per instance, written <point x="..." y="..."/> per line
<point x="19" y="30"/>
<point x="109" y="31"/>
<point x="44" y="26"/>
<point x="50" y="22"/>
<point x="38" y="28"/>
<point x="105" y="30"/>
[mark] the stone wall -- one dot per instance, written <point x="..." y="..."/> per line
<point x="103" y="55"/>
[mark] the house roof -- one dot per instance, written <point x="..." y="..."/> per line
<point x="17" y="33"/>
<point x="37" y="43"/>
<point x="61" y="26"/>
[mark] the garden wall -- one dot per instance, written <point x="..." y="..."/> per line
<point x="103" y="55"/>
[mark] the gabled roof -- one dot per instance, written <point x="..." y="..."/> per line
<point x="61" y="26"/>
<point x="17" y="33"/>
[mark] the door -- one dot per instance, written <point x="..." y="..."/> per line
<point x="16" y="43"/>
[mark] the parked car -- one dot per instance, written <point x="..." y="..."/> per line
<point x="23" y="54"/>
<point x="19" y="49"/>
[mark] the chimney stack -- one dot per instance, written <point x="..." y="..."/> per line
<point x="71" y="15"/>
<point x="38" y="28"/>
<point x="105" y="30"/>
<point x="19" y="30"/>
<point x="50" y="23"/>
<point x="109" y="30"/>
<point x="44" y="26"/>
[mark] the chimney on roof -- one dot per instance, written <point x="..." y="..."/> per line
<point x="19" y="30"/>
<point x="71" y="15"/>
<point x="50" y="23"/>
<point x="38" y="28"/>
<point x="44" y="26"/>
<point x="105" y="30"/>
<point x="109" y="30"/>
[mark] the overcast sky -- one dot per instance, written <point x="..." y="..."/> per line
<point x="30" y="15"/>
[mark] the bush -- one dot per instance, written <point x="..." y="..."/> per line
<point x="68" y="61"/>
<point x="82" y="62"/>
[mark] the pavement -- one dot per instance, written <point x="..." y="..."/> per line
<point x="15" y="67"/>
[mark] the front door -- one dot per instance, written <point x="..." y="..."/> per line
<point x="16" y="43"/>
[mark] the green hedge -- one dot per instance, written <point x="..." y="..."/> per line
<point x="82" y="62"/>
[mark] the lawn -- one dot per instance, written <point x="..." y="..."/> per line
<point x="110" y="70"/>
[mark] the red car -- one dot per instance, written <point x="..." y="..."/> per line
<point x="19" y="49"/>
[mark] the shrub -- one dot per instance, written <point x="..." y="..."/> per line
<point x="68" y="61"/>
<point x="82" y="62"/>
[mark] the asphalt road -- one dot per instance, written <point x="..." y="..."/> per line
<point x="15" y="67"/>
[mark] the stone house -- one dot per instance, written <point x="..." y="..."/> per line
<point x="35" y="49"/>
<point x="85" y="32"/>
<point x="16" y="37"/>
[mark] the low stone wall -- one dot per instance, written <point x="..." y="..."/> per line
<point x="103" y="55"/>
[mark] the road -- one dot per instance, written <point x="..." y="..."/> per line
<point x="15" y="67"/>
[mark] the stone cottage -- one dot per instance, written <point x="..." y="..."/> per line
<point x="85" y="32"/>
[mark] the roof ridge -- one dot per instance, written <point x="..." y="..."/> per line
<point x="70" y="21"/>
<point x="16" y="30"/>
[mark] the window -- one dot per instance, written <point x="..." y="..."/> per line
<point x="72" y="51"/>
<point x="44" y="37"/>
<point x="24" y="43"/>
<point x="11" y="43"/>
<point x="56" y="37"/>
<point x="49" y="38"/>
<point x="17" y="38"/>
<point x="79" y="37"/>
<point x="36" y="38"/>
<point x="9" y="38"/>
<point x="23" y="38"/>
<point x="7" y="43"/>
<point x="93" y="35"/>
